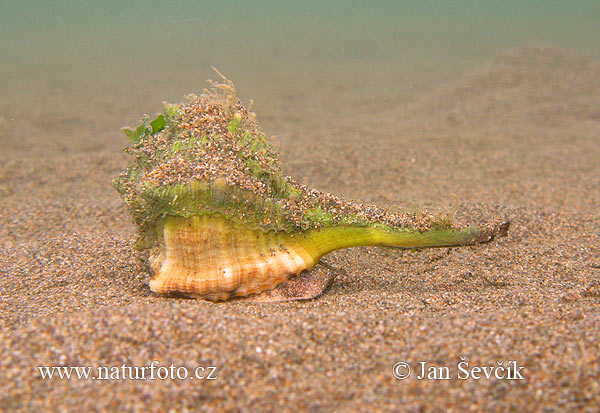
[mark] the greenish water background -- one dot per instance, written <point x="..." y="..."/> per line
<point x="137" y="53"/>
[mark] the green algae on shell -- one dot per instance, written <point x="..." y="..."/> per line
<point x="205" y="176"/>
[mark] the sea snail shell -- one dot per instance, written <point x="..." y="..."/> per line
<point x="208" y="195"/>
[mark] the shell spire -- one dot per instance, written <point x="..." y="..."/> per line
<point x="207" y="192"/>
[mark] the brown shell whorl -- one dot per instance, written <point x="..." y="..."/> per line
<point x="211" y="257"/>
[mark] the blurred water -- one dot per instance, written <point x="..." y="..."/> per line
<point x="71" y="52"/>
<point x="34" y="31"/>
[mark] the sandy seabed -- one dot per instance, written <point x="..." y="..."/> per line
<point x="517" y="136"/>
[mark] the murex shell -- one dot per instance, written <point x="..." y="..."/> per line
<point x="221" y="220"/>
